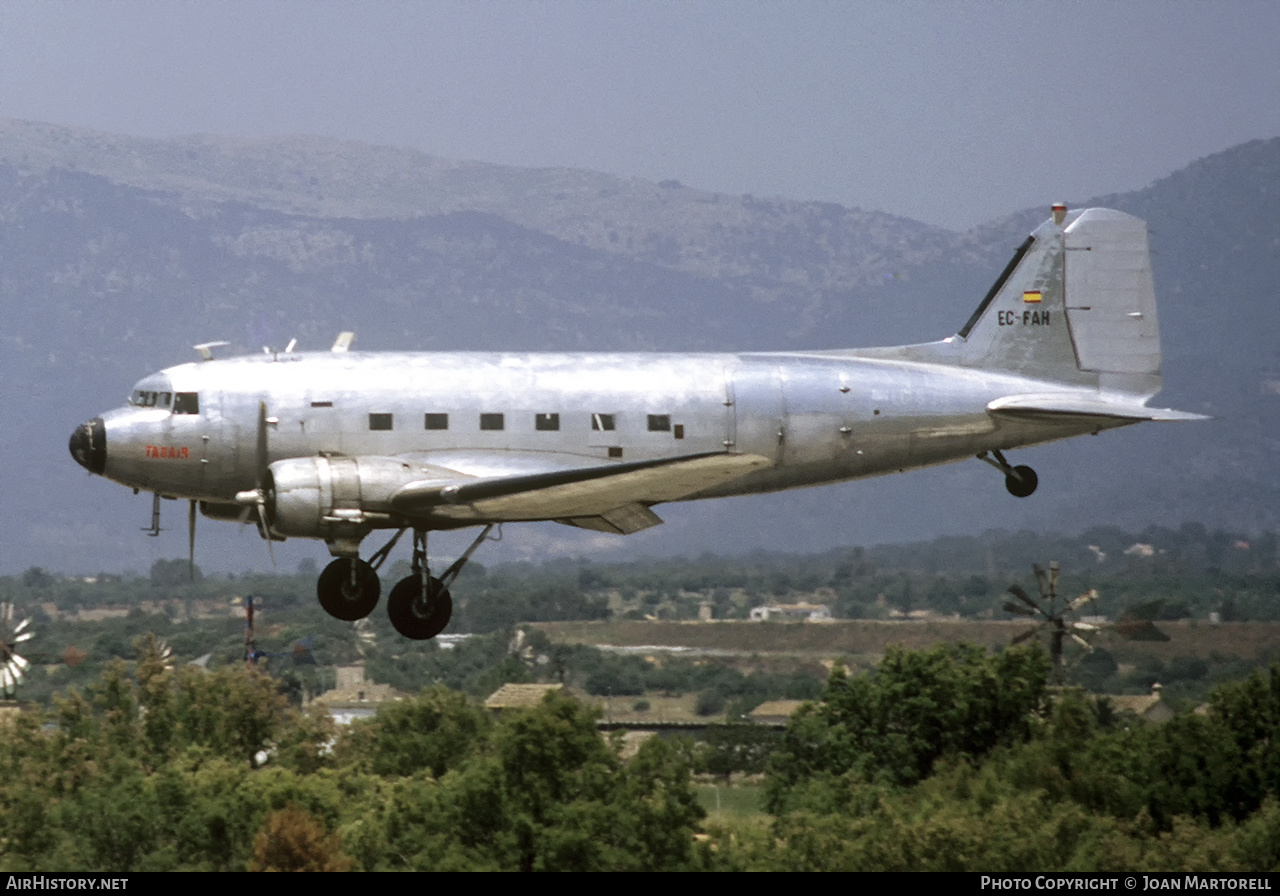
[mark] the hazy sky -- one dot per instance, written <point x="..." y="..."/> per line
<point x="949" y="112"/>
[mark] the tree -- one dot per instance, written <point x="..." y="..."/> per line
<point x="292" y="839"/>
<point x="916" y="707"/>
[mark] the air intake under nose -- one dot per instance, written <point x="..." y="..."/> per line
<point x="89" y="445"/>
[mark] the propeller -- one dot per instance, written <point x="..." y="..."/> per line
<point x="256" y="498"/>
<point x="191" y="539"/>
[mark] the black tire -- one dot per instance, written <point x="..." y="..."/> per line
<point x="343" y="600"/>
<point x="408" y="614"/>
<point x="1023" y="484"/>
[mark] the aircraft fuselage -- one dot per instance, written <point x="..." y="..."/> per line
<point x="816" y="417"/>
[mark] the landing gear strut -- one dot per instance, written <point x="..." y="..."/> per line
<point x="420" y="605"/>
<point x="1020" y="481"/>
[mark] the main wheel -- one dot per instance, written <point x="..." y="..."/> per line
<point x="417" y="616"/>
<point x="348" y="589"/>
<point x="1023" y="484"/>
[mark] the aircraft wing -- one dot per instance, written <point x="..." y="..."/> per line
<point x="1067" y="406"/>
<point x="611" y="497"/>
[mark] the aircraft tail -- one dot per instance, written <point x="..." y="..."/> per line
<point x="1076" y="304"/>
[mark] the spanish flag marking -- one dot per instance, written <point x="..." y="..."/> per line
<point x="1031" y="296"/>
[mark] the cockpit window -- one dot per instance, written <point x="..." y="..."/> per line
<point x="147" y="398"/>
<point x="186" y="403"/>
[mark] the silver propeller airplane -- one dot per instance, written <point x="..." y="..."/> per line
<point x="336" y="444"/>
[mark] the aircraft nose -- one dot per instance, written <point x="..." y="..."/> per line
<point x="89" y="445"/>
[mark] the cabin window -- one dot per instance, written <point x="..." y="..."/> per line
<point x="546" y="422"/>
<point x="678" y="431"/>
<point x="380" y="422"/>
<point x="491" y="422"/>
<point x="659" y="423"/>
<point x="322" y="404"/>
<point x="436" y="421"/>
<point x="615" y="451"/>
<point x="186" y="403"/>
<point x="602" y="423"/>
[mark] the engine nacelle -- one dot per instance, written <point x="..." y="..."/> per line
<point x="334" y="498"/>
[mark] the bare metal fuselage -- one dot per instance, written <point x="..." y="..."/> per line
<point x="816" y="418"/>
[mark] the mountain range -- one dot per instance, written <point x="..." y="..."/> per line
<point x="119" y="253"/>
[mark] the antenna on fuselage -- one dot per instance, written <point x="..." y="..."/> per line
<point x="206" y="349"/>
<point x="343" y="342"/>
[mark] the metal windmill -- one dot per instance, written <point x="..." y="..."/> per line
<point x="1051" y="619"/>
<point x="13" y="633"/>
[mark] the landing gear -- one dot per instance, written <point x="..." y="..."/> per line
<point x="419" y="609"/>
<point x="1020" y="481"/>
<point x="420" y="605"/>
<point x="348" y="589"/>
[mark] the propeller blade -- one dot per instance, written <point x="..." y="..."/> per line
<point x="260" y="469"/>
<point x="260" y="475"/>
<point x="191" y="539"/>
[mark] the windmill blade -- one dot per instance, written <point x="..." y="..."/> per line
<point x="1027" y="635"/>
<point x="1019" y="609"/>
<point x="1081" y="641"/>
<point x="1088" y="597"/>
<point x="1041" y="579"/>
<point x="1018" y="592"/>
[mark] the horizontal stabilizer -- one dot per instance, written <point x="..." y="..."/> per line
<point x="608" y="491"/>
<point x="1067" y="405"/>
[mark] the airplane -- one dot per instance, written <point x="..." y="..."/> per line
<point x="335" y="445"/>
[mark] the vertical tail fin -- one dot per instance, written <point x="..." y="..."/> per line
<point x="1075" y="304"/>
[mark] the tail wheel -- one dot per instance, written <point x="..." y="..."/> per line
<point x="348" y="589"/>
<point x="1021" y="482"/>
<point x="416" y="615"/>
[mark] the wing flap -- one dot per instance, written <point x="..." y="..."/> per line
<point x="565" y="494"/>
<point x="625" y="520"/>
<point x="1072" y="407"/>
